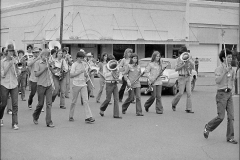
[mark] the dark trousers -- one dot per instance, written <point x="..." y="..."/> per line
<point x="14" y="96"/>
<point x="42" y="93"/>
<point x="224" y="102"/>
<point x="122" y="89"/>
<point x="156" y="94"/>
<point x="111" y="88"/>
<point x="33" y="92"/>
<point x="22" y="79"/>
<point x="136" y="92"/>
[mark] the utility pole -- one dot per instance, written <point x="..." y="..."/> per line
<point x="61" y="21"/>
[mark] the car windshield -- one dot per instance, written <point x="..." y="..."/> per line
<point x="144" y="63"/>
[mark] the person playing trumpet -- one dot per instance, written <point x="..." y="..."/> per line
<point x="90" y="61"/>
<point x="79" y="74"/>
<point x="184" y="79"/>
<point x="22" y="70"/>
<point x="111" y="74"/>
<point x="9" y="85"/>
<point x="132" y="71"/>
<point x="60" y="69"/>
<point x="154" y="68"/>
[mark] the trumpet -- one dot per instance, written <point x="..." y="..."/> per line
<point x="20" y="64"/>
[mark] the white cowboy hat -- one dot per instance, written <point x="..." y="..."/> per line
<point x="89" y="54"/>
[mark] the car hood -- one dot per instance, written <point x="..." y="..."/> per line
<point x="168" y="72"/>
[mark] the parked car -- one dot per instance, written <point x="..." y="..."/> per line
<point x="169" y="77"/>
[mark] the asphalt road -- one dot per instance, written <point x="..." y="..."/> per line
<point x="172" y="135"/>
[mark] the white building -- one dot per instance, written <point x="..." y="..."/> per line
<point x="113" y="25"/>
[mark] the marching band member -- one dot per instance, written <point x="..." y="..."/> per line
<point x="101" y="64"/>
<point x="33" y="78"/>
<point x="224" y="74"/>
<point x="184" y="80"/>
<point x="155" y="68"/>
<point x="111" y="78"/>
<point x="45" y="86"/>
<point x="124" y="62"/>
<point x="22" y="77"/>
<point x="132" y="71"/>
<point x="59" y="78"/>
<point x="89" y="58"/>
<point x="79" y="75"/>
<point x="69" y="61"/>
<point x="9" y="85"/>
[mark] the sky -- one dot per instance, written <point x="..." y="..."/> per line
<point x="6" y="3"/>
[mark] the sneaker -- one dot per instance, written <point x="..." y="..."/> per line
<point x="232" y="141"/>
<point x="206" y="132"/>
<point x="42" y="110"/>
<point x="71" y="119"/>
<point x="62" y="107"/>
<point x="35" y="121"/>
<point x="174" y="108"/>
<point x="30" y="107"/>
<point x="15" y="127"/>
<point x="50" y="125"/>
<point x="110" y="102"/>
<point x="9" y="111"/>
<point x="89" y="120"/>
<point x="1" y="122"/>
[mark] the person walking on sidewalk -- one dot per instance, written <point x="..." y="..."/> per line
<point x="224" y="74"/>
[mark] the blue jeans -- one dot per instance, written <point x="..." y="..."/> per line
<point x="60" y="86"/>
<point x="22" y="79"/>
<point x="42" y="93"/>
<point x="111" y="88"/>
<point x="14" y="96"/>
<point x="183" y="82"/>
<point x="137" y="92"/>
<point x="224" y="102"/>
<point x="102" y="84"/>
<point x="156" y="94"/>
<point x="33" y="92"/>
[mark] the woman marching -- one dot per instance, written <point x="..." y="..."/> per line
<point x="155" y="68"/>
<point x="60" y="68"/>
<point x="131" y="75"/>
<point x="101" y="79"/>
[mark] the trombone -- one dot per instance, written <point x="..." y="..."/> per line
<point x="87" y="73"/>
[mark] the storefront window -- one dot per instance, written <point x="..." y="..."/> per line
<point x="118" y="50"/>
<point x="150" y="48"/>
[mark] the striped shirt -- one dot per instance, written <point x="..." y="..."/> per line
<point x="184" y="70"/>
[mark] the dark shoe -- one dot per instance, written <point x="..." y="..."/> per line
<point x="117" y="117"/>
<point x="71" y="119"/>
<point x="66" y="96"/>
<point x="146" y="109"/>
<point x="92" y="96"/>
<point x="50" y="125"/>
<point x="35" y="121"/>
<point x="139" y="114"/>
<point x="232" y="141"/>
<point x="89" y="120"/>
<point x="205" y="132"/>
<point x="123" y="112"/>
<point x="159" y="112"/>
<point x="188" y="111"/>
<point x="98" y="101"/>
<point x="101" y="113"/>
<point x="62" y="107"/>
<point x="174" y="108"/>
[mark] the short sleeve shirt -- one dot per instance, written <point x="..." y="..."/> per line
<point x="133" y="71"/>
<point x="79" y="80"/>
<point x="154" y="70"/>
<point x="44" y="79"/>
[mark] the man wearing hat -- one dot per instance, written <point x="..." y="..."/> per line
<point x="184" y="79"/>
<point x="22" y="78"/>
<point x="33" y="78"/>
<point x="9" y="85"/>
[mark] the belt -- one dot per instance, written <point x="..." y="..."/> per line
<point x="183" y="75"/>
<point x="224" y="90"/>
<point x="109" y="81"/>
